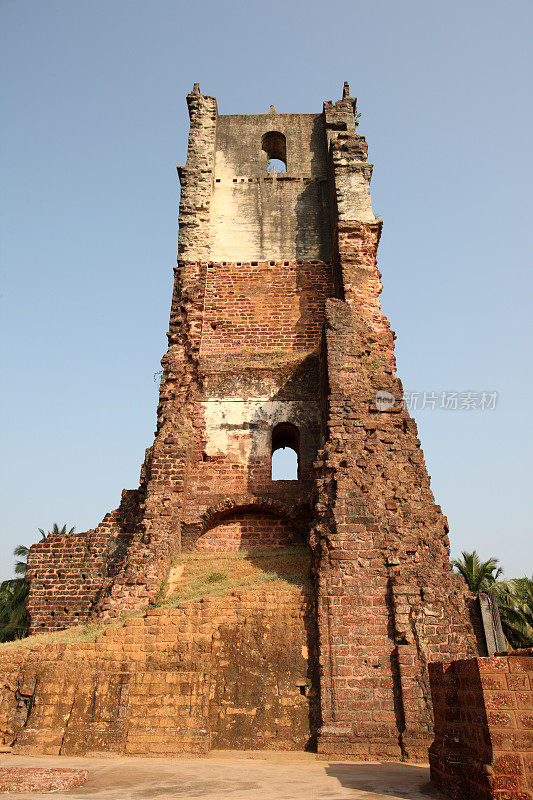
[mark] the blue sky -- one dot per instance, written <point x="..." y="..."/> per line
<point x="95" y="122"/>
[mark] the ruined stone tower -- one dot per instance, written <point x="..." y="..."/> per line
<point x="277" y="339"/>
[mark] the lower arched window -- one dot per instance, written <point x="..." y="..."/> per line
<point x="285" y="452"/>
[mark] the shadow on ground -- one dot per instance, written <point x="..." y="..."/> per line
<point x="392" y="779"/>
<point x="231" y="775"/>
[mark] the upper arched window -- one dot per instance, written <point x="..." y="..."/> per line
<point x="285" y="452"/>
<point x="274" y="145"/>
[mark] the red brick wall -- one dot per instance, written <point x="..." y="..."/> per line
<point x="68" y="573"/>
<point x="483" y="709"/>
<point x="271" y="305"/>
<point x="225" y="476"/>
<point x="244" y="531"/>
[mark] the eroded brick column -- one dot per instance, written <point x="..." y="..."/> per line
<point x="388" y="598"/>
<point x="164" y="484"/>
<point x="389" y="601"/>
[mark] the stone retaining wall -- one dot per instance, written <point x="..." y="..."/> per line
<point x="230" y="672"/>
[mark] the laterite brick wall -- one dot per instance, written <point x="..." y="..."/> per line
<point x="388" y="599"/>
<point x="68" y="573"/>
<point x="242" y="531"/>
<point x="483" y="709"/>
<point x="264" y="306"/>
<point x="231" y="672"/>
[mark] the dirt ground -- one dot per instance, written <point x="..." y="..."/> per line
<point x="226" y="775"/>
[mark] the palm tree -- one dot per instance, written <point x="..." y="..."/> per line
<point x="56" y="531"/>
<point x="13" y="620"/>
<point x="479" y="575"/>
<point x="515" y="602"/>
<point x="21" y="552"/>
<point x="13" y="599"/>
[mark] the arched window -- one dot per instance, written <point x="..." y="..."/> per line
<point x="285" y="452"/>
<point x="274" y="144"/>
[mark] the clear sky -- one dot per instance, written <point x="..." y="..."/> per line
<point x="94" y="124"/>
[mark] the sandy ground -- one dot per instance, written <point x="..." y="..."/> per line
<point x="226" y="775"/>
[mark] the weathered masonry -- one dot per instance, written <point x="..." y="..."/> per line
<point x="276" y="340"/>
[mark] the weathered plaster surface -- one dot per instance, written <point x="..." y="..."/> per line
<point x="258" y="216"/>
<point x="240" y="429"/>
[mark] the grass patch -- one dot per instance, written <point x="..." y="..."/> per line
<point x="77" y="633"/>
<point x="216" y="577"/>
<point x="214" y="574"/>
<point x="204" y="575"/>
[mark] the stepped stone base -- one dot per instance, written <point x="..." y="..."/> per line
<point x="228" y="672"/>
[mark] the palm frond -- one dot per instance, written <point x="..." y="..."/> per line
<point x="60" y="531"/>
<point x="479" y="575"/>
<point x="13" y="598"/>
<point x="515" y="601"/>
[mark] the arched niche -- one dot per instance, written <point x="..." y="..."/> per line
<point x="248" y="529"/>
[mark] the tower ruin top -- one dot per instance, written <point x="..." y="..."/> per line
<point x="260" y="186"/>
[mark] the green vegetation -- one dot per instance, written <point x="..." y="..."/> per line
<point x="13" y="598"/>
<point x="78" y="633"/>
<point x="202" y="577"/>
<point x="373" y="361"/>
<point x="56" y="531"/>
<point x="216" y="577"/>
<point x="515" y="601"/>
<point x="21" y="552"/>
<point x="257" y="358"/>
<point x="514" y="596"/>
<point x="480" y="576"/>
